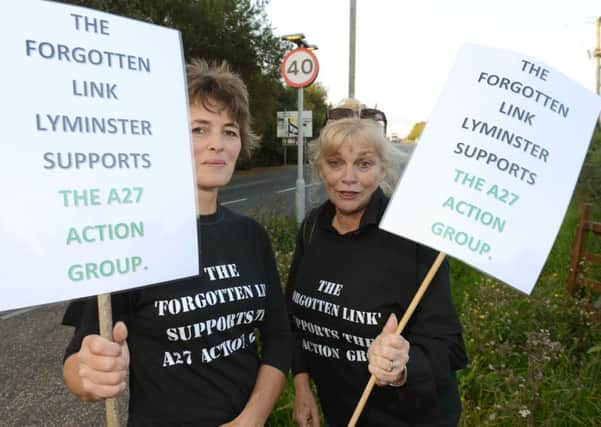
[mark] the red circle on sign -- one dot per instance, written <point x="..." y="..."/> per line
<point x="291" y="68"/>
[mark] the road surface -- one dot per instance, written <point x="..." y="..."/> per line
<point x="269" y="190"/>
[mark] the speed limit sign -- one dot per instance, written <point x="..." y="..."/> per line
<point x="300" y="67"/>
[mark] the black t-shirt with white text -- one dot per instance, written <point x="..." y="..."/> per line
<point x="193" y="342"/>
<point x="341" y="290"/>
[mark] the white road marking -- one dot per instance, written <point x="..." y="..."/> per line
<point x="294" y="188"/>
<point x="286" y="189"/>
<point x="233" y="201"/>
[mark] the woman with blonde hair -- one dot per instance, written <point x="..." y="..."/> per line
<point x="349" y="282"/>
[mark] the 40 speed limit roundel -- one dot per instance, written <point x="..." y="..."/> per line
<point x="300" y="67"/>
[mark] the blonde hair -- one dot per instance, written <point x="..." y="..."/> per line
<point x="336" y="132"/>
<point x="210" y="83"/>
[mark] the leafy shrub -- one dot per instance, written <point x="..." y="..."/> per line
<point x="589" y="183"/>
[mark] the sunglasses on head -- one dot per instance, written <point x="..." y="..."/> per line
<point x="364" y="113"/>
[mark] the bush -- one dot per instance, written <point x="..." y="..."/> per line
<point x="589" y="184"/>
<point x="533" y="358"/>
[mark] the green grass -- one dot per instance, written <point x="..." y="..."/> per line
<point x="534" y="360"/>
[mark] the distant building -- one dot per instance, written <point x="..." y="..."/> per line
<point x="394" y="138"/>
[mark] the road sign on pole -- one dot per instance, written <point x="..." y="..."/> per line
<point x="287" y="124"/>
<point x="299" y="69"/>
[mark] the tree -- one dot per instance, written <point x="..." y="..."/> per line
<point x="316" y="100"/>
<point x="589" y="182"/>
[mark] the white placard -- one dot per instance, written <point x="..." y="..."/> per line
<point x="492" y="176"/>
<point x="96" y="172"/>
<point x="288" y="126"/>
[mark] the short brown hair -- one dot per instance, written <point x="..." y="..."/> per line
<point x="212" y="82"/>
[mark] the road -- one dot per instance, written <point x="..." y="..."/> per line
<point x="269" y="190"/>
<point x="32" y="391"/>
<point x="33" y="339"/>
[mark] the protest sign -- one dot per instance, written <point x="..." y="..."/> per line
<point x="493" y="173"/>
<point x="97" y="174"/>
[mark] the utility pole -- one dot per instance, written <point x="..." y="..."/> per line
<point x="351" y="56"/>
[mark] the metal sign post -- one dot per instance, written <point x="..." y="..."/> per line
<point x="299" y="69"/>
<point x="300" y="180"/>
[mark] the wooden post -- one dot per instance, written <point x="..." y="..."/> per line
<point x="579" y="241"/>
<point x="105" y="322"/>
<point x="597" y="55"/>
<point x="416" y="299"/>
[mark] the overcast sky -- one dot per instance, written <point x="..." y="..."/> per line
<point x="405" y="49"/>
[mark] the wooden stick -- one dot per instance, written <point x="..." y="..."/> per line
<point x="416" y="299"/>
<point x="105" y="323"/>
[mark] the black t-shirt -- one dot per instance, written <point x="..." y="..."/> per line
<point x="341" y="290"/>
<point x="194" y="357"/>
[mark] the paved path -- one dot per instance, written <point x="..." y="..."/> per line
<point x="32" y="392"/>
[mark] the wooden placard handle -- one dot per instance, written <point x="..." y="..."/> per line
<point x="414" y="302"/>
<point x="105" y="323"/>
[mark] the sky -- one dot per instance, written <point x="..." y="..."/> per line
<point x="405" y="49"/>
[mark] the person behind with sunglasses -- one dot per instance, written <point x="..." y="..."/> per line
<point x="350" y="107"/>
<point x="348" y="284"/>
<point x="190" y="346"/>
